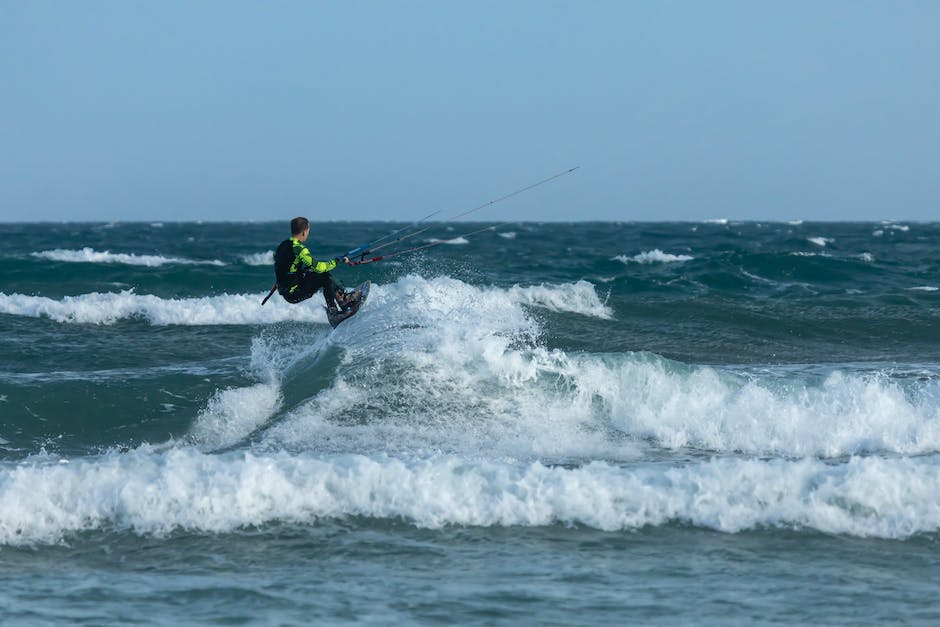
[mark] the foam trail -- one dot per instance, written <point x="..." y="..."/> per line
<point x="110" y="307"/>
<point x="89" y="255"/>
<point x="182" y="489"/>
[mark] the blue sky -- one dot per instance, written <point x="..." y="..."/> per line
<point x="229" y="110"/>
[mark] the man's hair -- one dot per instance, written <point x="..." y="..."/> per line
<point x="298" y="225"/>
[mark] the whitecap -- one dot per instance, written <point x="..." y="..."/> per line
<point x="653" y="256"/>
<point x="155" y="494"/>
<point x="457" y="241"/>
<point x="89" y="255"/>
<point x="259" y="259"/>
<point x="580" y="298"/>
<point x="110" y="307"/>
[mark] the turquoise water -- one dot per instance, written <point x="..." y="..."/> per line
<point x="552" y="423"/>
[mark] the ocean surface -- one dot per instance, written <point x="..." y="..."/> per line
<point x="589" y="423"/>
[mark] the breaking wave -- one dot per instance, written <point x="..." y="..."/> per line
<point x="441" y="404"/>
<point x="226" y="309"/>
<point x="111" y="307"/>
<point x="653" y="256"/>
<point x="259" y="259"/>
<point x="88" y="255"/>
<point x="157" y="493"/>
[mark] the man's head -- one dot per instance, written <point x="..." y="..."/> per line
<point x="299" y="228"/>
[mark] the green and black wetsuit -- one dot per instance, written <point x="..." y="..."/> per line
<point x="299" y="275"/>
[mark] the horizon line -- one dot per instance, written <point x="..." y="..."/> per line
<point x="713" y="221"/>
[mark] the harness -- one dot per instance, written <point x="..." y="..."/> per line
<point x="286" y="265"/>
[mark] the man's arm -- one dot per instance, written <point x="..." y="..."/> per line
<point x="322" y="266"/>
<point x="309" y="264"/>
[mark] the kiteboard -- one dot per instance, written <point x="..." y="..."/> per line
<point x="359" y="296"/>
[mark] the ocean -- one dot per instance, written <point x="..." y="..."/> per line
<point x="563" y="424"/>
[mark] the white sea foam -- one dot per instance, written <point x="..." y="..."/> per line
<point x="110" y="307"/>
<point x="508" y="234"/>
<point x="653" y="256"/>
<point x="436" y="359"/>
<point x="924" y="288"/>
<point x="537" y="403"/>
<point x="259" y="259"/>
<point x="721" y="221"/>
<point x="441" y="365"/>
<point x="444" y="365"/>
<point x="457" y="241"/>
<point x="157" y="493"/>
<point x="820" y="241"/>
<point x="438" y="325"/>
<point x="707" y="408"/>
<point x="446" y="409"/>
<point x="802" y="253"/>
<point x="579" y="297"/>
<point x="232" y="415"/>
<point x="89" y="255"/>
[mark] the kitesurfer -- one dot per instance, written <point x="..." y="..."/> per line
<point x="299" y="275"/>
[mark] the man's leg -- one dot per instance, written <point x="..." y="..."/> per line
<point x="339" y="293"/>
<point x="330" y="288"/>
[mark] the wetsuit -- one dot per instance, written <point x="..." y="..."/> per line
<point x="299" y="275"/>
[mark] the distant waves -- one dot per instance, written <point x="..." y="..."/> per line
<point x="90" y="255"/>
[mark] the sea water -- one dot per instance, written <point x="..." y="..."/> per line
<point x="671" y="423"/>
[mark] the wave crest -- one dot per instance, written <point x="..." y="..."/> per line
<point x="89" y="255"/>
<point x="653" y="256"/>
<point x="110" y="307"/>
<point x="182" y="489"/>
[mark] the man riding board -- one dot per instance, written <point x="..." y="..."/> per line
<point x="299" y="275"/>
